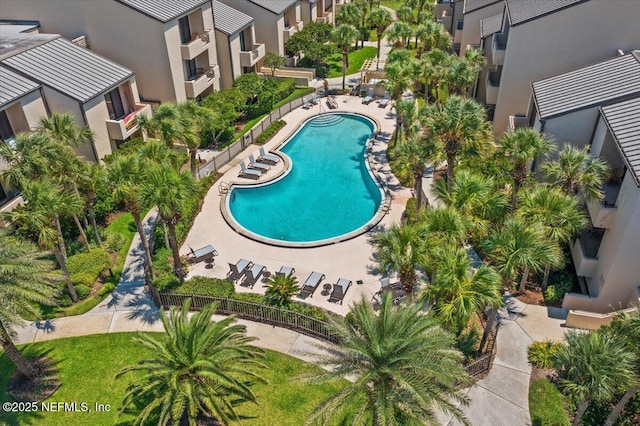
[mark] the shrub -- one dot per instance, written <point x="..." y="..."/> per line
<point x="64" y="301"/>
<point x="82" y="291"/>
<point x="270" y="132"/>
<point x="85" y="268"/>
<point x="114" y="242"/>
<point x="469" y="340"/>
<point x="161" y="262"/>
<point x="205" y="286"/>
<point x="411" y="211"/>
<point x="106" y="288"/>
<point x="555" y="292"/>
<point x="166" y="282"/>
<point x="541" y="354"/>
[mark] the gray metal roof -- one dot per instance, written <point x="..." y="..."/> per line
<point x="163" y="10"/>
<point x="597" y="84"/>
<point x="227" y="19"/>
<point x="14" y="86"/>
<point x="471" y="5"/>
<point x="623" y="120"/>
<point x="275" y="6"/>
<point x="69" y="69"/>
<point x="521" y="11"/>
<point x="490" y="25"/>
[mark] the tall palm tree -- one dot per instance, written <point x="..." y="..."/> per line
<point x="199" y="371"/>
<point x="405" y="368"/>
<point x="521" y="147"/>
<point x="63" y="128"/>
<point x="445" y="225"/>
<point x="457" y="291"/>
<point x="432" y="35"/>
<point x="399" y="34"/>
<point x="406" y="117"/>
<point x="93" y="177"/>
<point x="196" y="121"/>
<point x="397" y="81"/>
<point x="576" y="169"/>
<point x="460" y="75"/>
<point x="401" y="249"/>
<point x="559" y="214"/>
<point x="164" y="125"/>
<point x="404" y="14"/>
<point x="460" y="126"/>
<point x="280" y="289"/>
<point x="519" y="248"/>
<point x="593" y="366"/>
<point x="343" y="36"/>
<point x="168" y="190"/>
<point x="350" y="14"/>
<point x="27" y="278"/>
<point x="412" y="156"/>
<point x="126" y="187"/>
<point x="380" y="19"/>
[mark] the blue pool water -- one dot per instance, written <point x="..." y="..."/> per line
<point x="328" y="192"/>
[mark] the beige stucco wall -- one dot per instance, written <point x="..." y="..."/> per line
<point x="96" y="113"/>
<point x="226" y="59"/>
<point x="568" y="39"/>
<point x="471" y="29"/>
<point x="25" y="113"/>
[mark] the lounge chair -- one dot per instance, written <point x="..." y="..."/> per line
<point x="339" y="290"/>
<point x="369" y="98"/>
<point x="305" y="103"/>
<point x="248" y="173"/>
<point x="237" y="271"/>
<point x="205" y="253"/>
<point x="331" y="102"/>
<point x="286" y="270"/>
<point x="266" y="157"/>
<point x="252" y="274"/>
<point x="310" y="285"/>
<point x="314" y="99"/>
<point x="253" y="164"/>
<point x="385" y="101"/>
<point x="385" y="284"/>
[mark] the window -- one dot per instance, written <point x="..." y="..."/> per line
<point x="6" y="132"/>
<point x="185" y="30"/>
<point x="114" y="104"/>
<point x="191" y="69"/>
<point x="243" y="43"/>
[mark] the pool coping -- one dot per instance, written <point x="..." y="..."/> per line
<point x="382" y="210"/>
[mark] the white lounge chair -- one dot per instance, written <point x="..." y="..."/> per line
<point x="266" y="157"/>
<point x="310" y="285"/>
<point x="253" y="164"/>
<point x="369" y="98"/>
<point x="339" y="290"/>
<point x="385" y="101"/>
<point x="237" y="271"/>
<point x="286" y="270"/>
<point x="248" y="173"/>
<point x="252" y="275"/>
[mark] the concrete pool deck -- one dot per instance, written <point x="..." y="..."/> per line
<point x="350" y="259"/>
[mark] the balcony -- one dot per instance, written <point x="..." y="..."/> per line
<point x="457" y="36"/>
<point x="127" y="126"/>
<point x="584" y="252"/>
<point x="251" y="57"/>
<point x="498" y="48"/>
<point x="198" y="44"/>
<point x="517" y="121"/>
<point x="204" y="79"/>
<point x="326" y="18"/>
<point x="493" y="85"/>
<point x="602" y="213"/>
<point x="291" y="30"/>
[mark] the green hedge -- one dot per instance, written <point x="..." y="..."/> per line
<point x="270" y="132"/>
<point x="541" y="353"/>
<point x="85" y="268"/>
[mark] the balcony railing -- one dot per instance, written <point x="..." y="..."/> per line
<point x="492" y="87"/>
<point x="602" y="213"/>
<point x="127" y="126"/>
<point x="291" y="30"/>
<point x="198" y="44"/>
<point x="326" y="18"/>
<point x="203" y="80"/>
<point x="498" y="48"/>
<point x="250" y="57"/>
<point x="517" y="121"/>
<point x="584" y="252"/>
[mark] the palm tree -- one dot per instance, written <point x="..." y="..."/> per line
<point x="397" y="81"/>
<point x="457" y="291"/>
<point x="406" y="118"/>
<point x="445" y="225"/>
<point x="168" y="190"/>
<point x="27" y="278"/>
<point x="593" y="366"/>
<point x="280" y="289"/>
<point x="432" y="35"/>
<point x="460" y="75"/>
<point x="343" y="36"/>
<point x="93" y="177"/>
<point x="412" y="156"/>
<point x="198" y="372"/>
<point x="350" y="14"/>
<point x="126" y="188"/>
<point x="197" y="121"/>
<point x="559" y="214"/>
<point x="521" y="147"/>
<point x="380" y="19"/>
<point x="519" y="248"/>
<point x="459" y="127"/>
<point x="399" y="34"/>
<point x="401" y="249"/>
<point x="165" y="124"/>
<point x="404" y="14"/>
<point x="405" y="368"/>
<point x="576" y="169"/>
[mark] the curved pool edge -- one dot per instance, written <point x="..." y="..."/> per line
<point x="382" y="210"/>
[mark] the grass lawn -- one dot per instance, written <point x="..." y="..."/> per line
<point x="546" y="404"/>
<point x="356" y="59"/>
<point x="392" y="4"/>
<point x="87" y="366"/>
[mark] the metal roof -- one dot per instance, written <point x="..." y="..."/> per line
<point x="471" y="5"/>
<point x="275" y="6"/>
<point x="14" y="86"/>
<point x="69" y="69"/>
<point x="623" y="120"/>
<point x="597" y="84"/>
<point x="521" y="11"/>
<point x="163" y="10"/>
<point x="227" y="19"/>
<point x="490" y="25"/>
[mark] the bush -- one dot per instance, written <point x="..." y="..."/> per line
<point x="161" y="262"/>
<point x="82" y="291"/>
<point x="468" y="341"/>
<point x="205" y="286"/>
<point x="114" y="242"/>
<point x="270" y="132"/>
<point x="106" y="289"/>
<point x="166" y="282"/>
<point x="411" y="211"/>
<point x="85" y="268"/>
<point x="64" y="301"/>
<point x="555" y="292"/>
<point x="541" y="353"/>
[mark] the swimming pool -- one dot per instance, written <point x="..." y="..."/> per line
<point x="327" y="194"/>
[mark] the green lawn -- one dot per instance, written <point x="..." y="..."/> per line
<point x="546" y="404"/>
<point x="392" y="4"/>
<point x="356" y="59"/>
<point x="87" y="366"/>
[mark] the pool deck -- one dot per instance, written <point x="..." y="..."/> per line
<point x="350" y="259"/>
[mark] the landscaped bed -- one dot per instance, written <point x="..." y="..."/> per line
<point x="87" y="366"/>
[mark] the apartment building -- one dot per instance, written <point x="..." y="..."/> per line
<point x="277" y="20"/>
<point x="170" y="45"/>
<point x="322" y="11"/>
<point x="474" y="11"/>
<point x="238" y="52"/>
<point x="450" y="13"/>
<point x="484" y="88"/>
<point x="98" y="92"/>
<point x="542" y="38"/>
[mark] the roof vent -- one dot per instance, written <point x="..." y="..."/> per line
<point x="620" y="52"/>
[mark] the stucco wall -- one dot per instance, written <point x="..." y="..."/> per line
<point x="25" y="113"/>
<point x="575" y="128"/>
<point x="471" y="30"/>
<point x="568" y="39"/>
<point x="96" y="112"/>
<point x="228" y="61"/>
